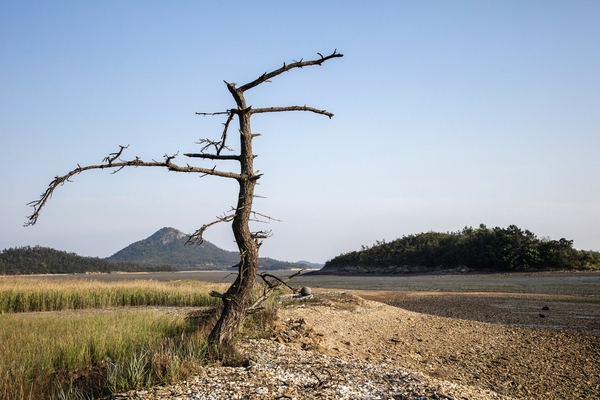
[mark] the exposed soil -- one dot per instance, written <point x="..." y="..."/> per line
<point x="503" y="354"/>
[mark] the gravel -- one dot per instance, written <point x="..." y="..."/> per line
<point x="278" y="371"/>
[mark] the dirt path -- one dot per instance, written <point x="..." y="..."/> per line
<point x="517" y="361"/>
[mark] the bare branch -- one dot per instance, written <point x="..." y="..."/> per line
<point x="169" y="158"/>
<point x="113" y="156"/>
<point x="188" y="168"/>
<point x="238" y="95"/>
<point x="265" y="216"/>
<point x="196" y="237"/>
<point x="297" y="64"/>
<point x="291" y="108"/>
<point x="204" y="114"/>
<point x="224" y="134"/>
<point x="261" y="234"/>
<point x="217" y="144"/>
<point x="213" y="156"/>
<point x="265" y="275"/>
<point x="109" y="163"/>
<point x="220" y="144"/>
<point x="271" y="283"/>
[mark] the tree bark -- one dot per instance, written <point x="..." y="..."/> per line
<point x="235" y="300"/>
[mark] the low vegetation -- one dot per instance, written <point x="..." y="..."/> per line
<point x="114" y="350"/>
<point x="496" y="249"/>
<point x="82" y="355"/>
<point x="26" y="295"/>
<point x="44" y="260"/>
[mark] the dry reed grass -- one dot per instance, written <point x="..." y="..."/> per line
<point x="77" y="356"/>
<point x="121" y="349"/>
<point x="27" y="295"/>
<point x="36" y="349"/>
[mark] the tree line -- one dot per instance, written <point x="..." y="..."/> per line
<point x="44" y="260"/>
<point x="495" y="249"/>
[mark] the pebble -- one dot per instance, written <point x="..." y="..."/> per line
<point x="292" y="373"/>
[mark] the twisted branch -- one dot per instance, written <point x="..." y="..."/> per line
<point x="286" y="67"/>
<point x="109" y="163"/>
<point x="197" y="237"/>
<point x="270" y="284"/>
<point x="113" y="156"/>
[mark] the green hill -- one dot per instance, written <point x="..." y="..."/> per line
<point x="481" y="249"/>
<point x="167" y="246"/>
<point x="44" y="260"/>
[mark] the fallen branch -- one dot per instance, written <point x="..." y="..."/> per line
<point x="270" y="284"/>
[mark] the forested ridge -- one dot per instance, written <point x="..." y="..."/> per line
<point x="45" y="260"/>
<point x="484" y="249"/>
<point x="165" y="250"/>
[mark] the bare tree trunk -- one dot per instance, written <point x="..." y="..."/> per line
<point x="235" y="300"/>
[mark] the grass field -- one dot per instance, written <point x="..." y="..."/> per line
<point x="111" y="349"/>
<point x="27" y="295"/>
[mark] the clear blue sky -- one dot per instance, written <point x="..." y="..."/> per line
<point x="447" y="114"/>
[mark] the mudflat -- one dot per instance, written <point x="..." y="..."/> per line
<point x="585" y="283"/>
<point x="473" y="340"/>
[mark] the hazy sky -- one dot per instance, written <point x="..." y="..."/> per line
<point x="447" y="114"/>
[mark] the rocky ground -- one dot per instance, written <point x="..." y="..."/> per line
<point x="340" y="346"/>
<point x="515" y="360"/>
<point x="278" y="371"/>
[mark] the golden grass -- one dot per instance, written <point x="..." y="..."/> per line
<point x="34" y="347"/>
<point x="26" y="295"/>
<point x="77" y="355"/>
<point x="121" y="348"/>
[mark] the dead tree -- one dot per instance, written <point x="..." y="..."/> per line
<point x="236" y="298"/>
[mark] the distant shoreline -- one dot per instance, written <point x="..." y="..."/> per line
<point x="204" y="275"/>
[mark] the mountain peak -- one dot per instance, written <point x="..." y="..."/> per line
<point x="166" y="235"/>
<point x="167" y="247"/>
